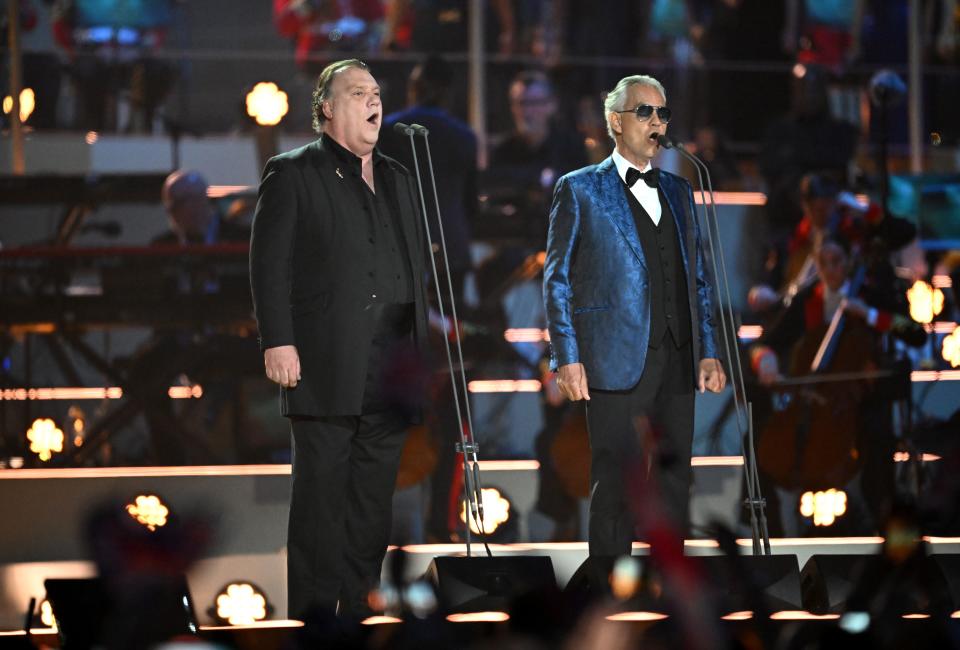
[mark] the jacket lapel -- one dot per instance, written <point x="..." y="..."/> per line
<point x="613" y="202"/>
<point x="671" y="192"/>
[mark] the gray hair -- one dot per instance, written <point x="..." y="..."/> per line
<point x="616" y="98"/>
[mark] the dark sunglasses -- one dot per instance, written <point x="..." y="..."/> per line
<point x="644" y="111"/>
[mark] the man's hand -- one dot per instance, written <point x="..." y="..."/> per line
<point x="282" y="364"/>
<point x="712" y="377"/>
<point x="572" y="382"/>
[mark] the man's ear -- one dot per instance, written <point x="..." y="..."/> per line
<point x="615" y="123"/>
<point x="327" y="111"/>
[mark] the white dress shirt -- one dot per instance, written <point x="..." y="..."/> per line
<point x="648" y="196"/>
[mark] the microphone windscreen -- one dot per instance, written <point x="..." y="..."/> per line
<point x="402" y="129"/>
<point x="419" y="130"/>
<point x="664" y="141"/>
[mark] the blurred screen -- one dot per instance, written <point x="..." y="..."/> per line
<point x="136" y="14"/>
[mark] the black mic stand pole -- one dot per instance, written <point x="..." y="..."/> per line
<point x="755" y="501"/>
<point x="472" y="509"/>
<point x="468" y="445"/>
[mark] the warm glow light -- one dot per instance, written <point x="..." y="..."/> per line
<point x="800" y="615"/>
<point x="74" y="393"/>
<point x="46" y="615"/>
<point x="733" y="198"/>
<point x="267" y="104"/>
<point x="185" y="392"/>
<point x="526" y="335"/>
<point x="950" y="348"/>
<point x="916" y="616"/>
<point x="504" y="386"/>
<point x="45" y="438"/>
<point x="925" y="301"/>
<point x="240" y="603"/>
<point x="91" y="137"/>
<point x="496" y="511"/>
<point x="220" y="191"/>
<point x="904" y="456"/>
<point x="738" y="616"/>
<point x="149" y="510"/>
<point x="637" y="616"/>
<point x="942" y="281"/>
<point x="750" y="332"/>
<point x="479" y="617"/>
<point x="28" y="101"/>
<point x="381" y="620"/>
<point x="956" y="614"/>
<point x="824" y="506"/>
<point x="935" y="375"/>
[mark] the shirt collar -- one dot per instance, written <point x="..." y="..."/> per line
<point x="623" y="165"/>
<point x="346" y="156"/>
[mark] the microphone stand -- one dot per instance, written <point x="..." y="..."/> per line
<point x="473" y="495"/>
<point x="754" y="501"/>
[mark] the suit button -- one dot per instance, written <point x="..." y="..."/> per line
<point x="373" y="295"/>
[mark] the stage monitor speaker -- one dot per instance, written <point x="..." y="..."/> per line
<point x="931" y="585"/>
<point x="734" y="584"/>
<point x="479" y="584"/>
<point x="738" y="580"/>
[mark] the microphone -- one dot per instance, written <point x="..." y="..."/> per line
<point x="402" y="129"/>
<point x="420" y="130"/>
<point x="667" y="142"/>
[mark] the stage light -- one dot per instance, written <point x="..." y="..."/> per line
<point x="950" y="348"/>
<point x="801" y="615"/>
<point x="91" y="137"/>
<point x="855" y="622"/>
<point x="149" y="510"/>
<point x="745" y="615"/>
<point x="241" y="603"/>
<point x="825" y="507"/>
<point x="46" y="615"/>
<point x="77" y="420"/>
<point x="479" y="617"/>
<point x="28" y="101"/>
<point x="45" y="438"/>
<point x="625" y="578"/>
<point x="381" y="620"/>
<point x="496" y="511"/>
<point x="637" y="616"/>
<point x="267" y="104"/>
<point x="925" y="301"/>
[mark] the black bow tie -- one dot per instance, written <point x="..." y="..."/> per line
<point x="651" y="177"/>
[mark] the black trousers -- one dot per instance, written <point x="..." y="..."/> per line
<point x="344" y="473"/>
<point x="640" y="444"/>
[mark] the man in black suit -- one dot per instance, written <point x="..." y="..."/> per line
<point x="337" y="274"/>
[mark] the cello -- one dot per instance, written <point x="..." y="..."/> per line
<point x="813" y="443"/>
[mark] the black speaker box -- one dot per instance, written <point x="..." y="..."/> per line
<point x="735" y="582"/>
<point x="925" y="585"/>
<point x="473" y="584"/>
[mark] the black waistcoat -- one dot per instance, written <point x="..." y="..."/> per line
<point x="669" y="307"/>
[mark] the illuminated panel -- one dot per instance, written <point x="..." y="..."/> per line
<point x="219" y="191"/>
<point x="734" y="198"/>
<point x="942" y="281"/>
<point x="76" y="393"/>
<point x="504" y="386"/>
<point x="935" y="375"/>
<point x="526" y="335"/>
<point x="800" y="615"/>
<point x="185" y="392"/>
<point x="479" y="617"/>
<point x="636" y="616"/>
<point x="738" y="616"/>
<point x="716" y="461"/>
<point x="750" y="332"/>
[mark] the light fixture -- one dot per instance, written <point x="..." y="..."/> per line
<point x="149" y="510"/>
<point x="925" y="301"/>
<point x="496" y="512"/>
<point x="28" y="101"/>
<point x="45" y="438"/>
<point x="479" y="617"/>
<point x="950" y="348"/>
<point x="745" y="615"/>
<point x="46" y="615"/>
<point x="381" y="620"/>
<point x="241" y="603"/>
<point x="634" y="617"/>
<point x="267" y="104"/>
<point x="77" y="425"/>
<point x="824" y="507"/>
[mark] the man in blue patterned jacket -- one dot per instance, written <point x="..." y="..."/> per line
<point x="629" y="309"/>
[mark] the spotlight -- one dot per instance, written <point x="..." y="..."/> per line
<point x="77" y="425"/>
<point x="825" y="507"/>
<point x="45" y="438"/>
<point x="950" y="348"/>
<point x="149" y="510"/>
<point x="926" y="302"/>
<point x="28" y="101"/>
<point x="496" y="512"/>
<point x="46" y="615"/>
<point x="241" y="603"/>
<point x="267" y="104"/>
<point x="479" y="617"/>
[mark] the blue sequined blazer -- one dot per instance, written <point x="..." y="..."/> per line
<point x="595" y="282"/>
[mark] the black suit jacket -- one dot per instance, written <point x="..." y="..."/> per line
<point x="309" y="289"/>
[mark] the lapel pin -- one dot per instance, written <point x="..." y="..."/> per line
<point x="339" y="173"/>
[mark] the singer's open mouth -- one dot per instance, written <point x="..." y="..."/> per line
<point x="654" y="136"/>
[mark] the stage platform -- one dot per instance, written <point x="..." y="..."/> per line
<point x="44" y="512"/>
